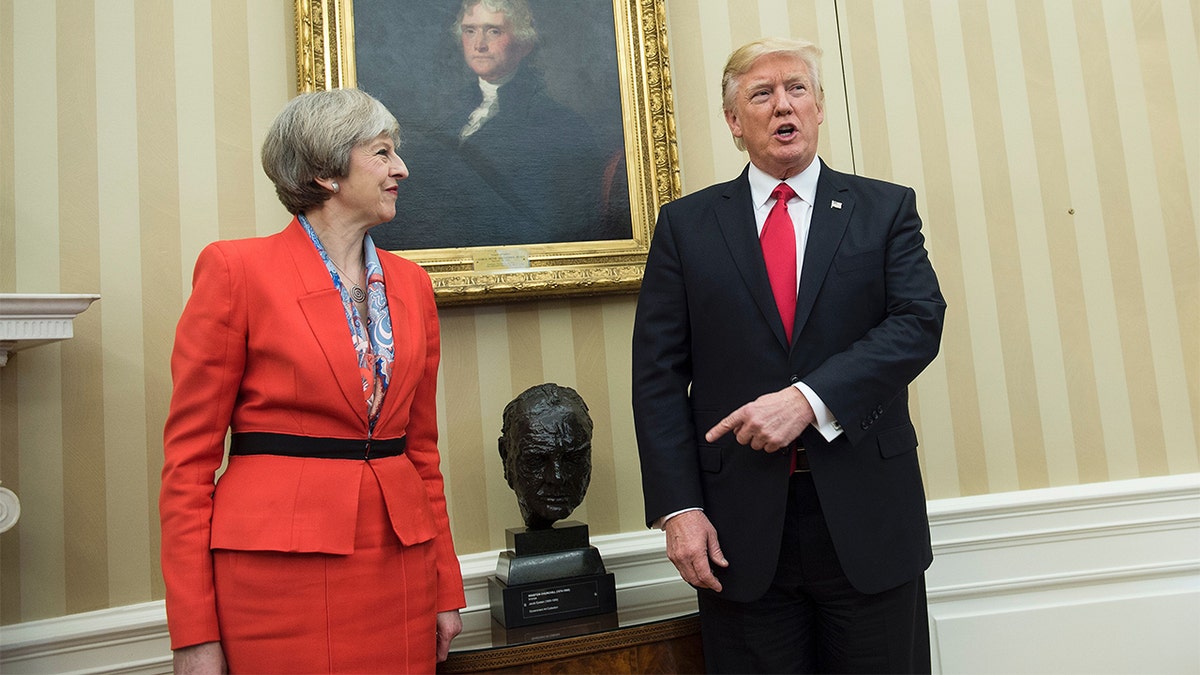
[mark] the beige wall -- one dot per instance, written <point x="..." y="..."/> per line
<point x="1055" y="147"/>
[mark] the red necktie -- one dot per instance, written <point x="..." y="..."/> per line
<point x="778" y="241"/>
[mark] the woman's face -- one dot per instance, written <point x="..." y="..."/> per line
<point x="370" y="187"/>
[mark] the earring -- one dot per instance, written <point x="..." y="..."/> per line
<point x="335" y="186"/>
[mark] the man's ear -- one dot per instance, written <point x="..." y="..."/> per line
<point x="735" y="127"/>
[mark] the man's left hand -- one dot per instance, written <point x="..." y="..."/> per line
<point x="769" y="422"/>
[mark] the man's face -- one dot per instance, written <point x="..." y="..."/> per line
<point x="488" y="44"/>
<point x="777" y="113"/>
<point x="548" y="463"/>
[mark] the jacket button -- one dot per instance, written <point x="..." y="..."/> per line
<point x="795" y="379"/>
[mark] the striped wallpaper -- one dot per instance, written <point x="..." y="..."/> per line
<point x="1054" y="146"/>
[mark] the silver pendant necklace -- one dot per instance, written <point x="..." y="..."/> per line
<point x="356" y="293"/>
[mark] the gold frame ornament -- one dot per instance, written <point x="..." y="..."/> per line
<point x="325" y="58"/>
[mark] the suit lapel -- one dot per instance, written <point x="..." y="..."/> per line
<point x="830" y="217"/>
<point x="735" y="216"/>
<point x="322" y="307"/>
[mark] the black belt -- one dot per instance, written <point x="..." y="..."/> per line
<point x="287" y="445"/>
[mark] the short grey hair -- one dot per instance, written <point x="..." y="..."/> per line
<point x="744" y="57"/>
<point x="312" y="138"/>
<point x="517" y="11"/>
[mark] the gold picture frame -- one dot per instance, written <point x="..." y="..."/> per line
<point x="326" y="58"/>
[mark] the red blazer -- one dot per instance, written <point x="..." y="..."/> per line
<point x="263" y="345"/>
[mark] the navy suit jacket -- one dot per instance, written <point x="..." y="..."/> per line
<point x="708" y="339"/>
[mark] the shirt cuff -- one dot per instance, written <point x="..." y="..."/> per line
<point x="661" y="523"/>
<point x="825" y="423"/>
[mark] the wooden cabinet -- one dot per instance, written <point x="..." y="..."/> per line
<point x="667" y="646"/>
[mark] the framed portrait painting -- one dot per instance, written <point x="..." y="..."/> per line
<point x="538" y="134"/>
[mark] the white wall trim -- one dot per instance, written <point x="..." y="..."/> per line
<point x="1100" y="578"/>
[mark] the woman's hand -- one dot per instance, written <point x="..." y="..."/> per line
<point x="202" y="659"/>
<point x="449" y="624"/>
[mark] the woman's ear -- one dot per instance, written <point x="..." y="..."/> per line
<point x="329" y="184"/>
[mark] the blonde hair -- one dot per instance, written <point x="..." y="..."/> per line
<point x="312" y="138"/>
<point x="743" y="59"/>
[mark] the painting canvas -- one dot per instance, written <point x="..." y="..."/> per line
<point x="537" y="134"/>
<point x="548" y="165"/>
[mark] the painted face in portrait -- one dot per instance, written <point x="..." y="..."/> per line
<point x="489" y="46"/>
<point x="546" y="447"/>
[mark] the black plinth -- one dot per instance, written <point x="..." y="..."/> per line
<point x="550" y="575"/>
<point x="555" y="600"/>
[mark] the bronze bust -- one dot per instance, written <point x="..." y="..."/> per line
<point x="546" y="446"/>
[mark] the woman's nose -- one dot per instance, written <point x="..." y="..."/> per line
<point x="399" y="168"/>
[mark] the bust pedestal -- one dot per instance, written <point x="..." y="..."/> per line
<point x="550" y="575"/>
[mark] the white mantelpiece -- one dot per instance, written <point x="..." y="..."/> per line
<point x="31" y="319"/>
<point x="28" y="320"/>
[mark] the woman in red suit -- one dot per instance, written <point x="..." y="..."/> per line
<point x="325" y="545"/>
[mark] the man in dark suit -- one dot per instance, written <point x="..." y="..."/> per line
<point x="771" y="404"/>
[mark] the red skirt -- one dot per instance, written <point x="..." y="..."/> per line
<point x="369" y="612"/>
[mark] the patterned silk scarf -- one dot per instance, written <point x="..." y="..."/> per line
<point x="375" y="344"/>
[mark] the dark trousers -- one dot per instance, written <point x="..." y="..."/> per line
<point x="812" y="620"/>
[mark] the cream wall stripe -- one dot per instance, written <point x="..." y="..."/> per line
<point x="443" y="427"/>
<point x="1108" y="252"/>
<point x="526" y="348"/>
<point x="271" y="88"/>
<point x="1148" y="230"/>
<point x="743" y="25"/>
<point x="10" y="468"/>
<point x="772" y="16"/>
<point x="42" y="539"/>
<point x="1057" y="208"/>
<point x="1177" y="153"/>
<point x="591" y="371"/>
<point x="558" y="363"/>
<point x="39" y="384"/>
<point x="1118" y="184"/>
<point x="10" y="472"/>
<point x="1112" y="413"/>
<point x="553" y="325"/>
<point x="1181" y="20"/>
<point x="978" y="273"/>
<point x="1182" y="230"/>
<point x="35" y="182"/>
<point x="929" y="393"/>
<point x="1020" y="381"/>
<point x="160" y="242"/>
<point x="617" y="318"/>
<point x="197" y="161"/>
<point x="960" y="448"/>
<point x="873" y="152"/>
<point x="693" y="115"/>
<point x="121" y="287"/>
<point x="8" y="226"/>
<point x="727" y="160"/>
<point x="1033" y="249"/>
<point x="821" y="25"/>
<point x="235" y="156"/>
<point x="846" y="62"/>
<point x="460" y="445"/>
<point x="495" y="391"/>
<point x="85" y="474"/>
